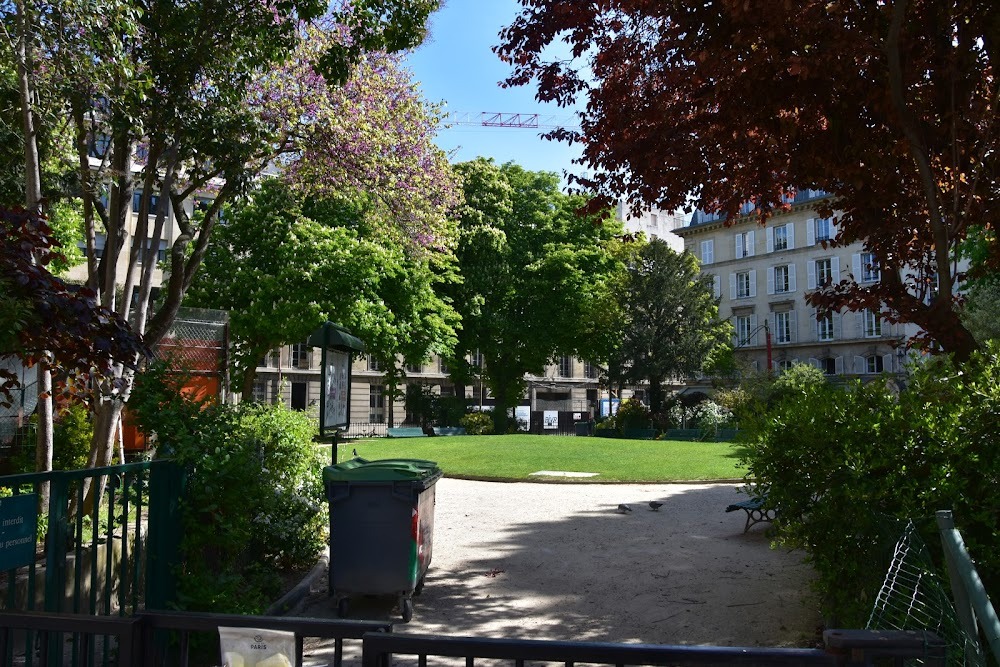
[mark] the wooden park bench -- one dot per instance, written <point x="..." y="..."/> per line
<point x="406" y="432"/>
<point x="756" y="509"/>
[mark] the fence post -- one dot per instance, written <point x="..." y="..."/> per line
<point x="166" y="488"/>
<point x="55" y="550"/>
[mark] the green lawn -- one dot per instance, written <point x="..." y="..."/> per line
<point x="517" y="456"/>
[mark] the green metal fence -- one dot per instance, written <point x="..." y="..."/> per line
<point x="105" y="546"/>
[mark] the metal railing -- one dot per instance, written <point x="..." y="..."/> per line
<point x="843" y="647"/>
<point x="157" y="651"/>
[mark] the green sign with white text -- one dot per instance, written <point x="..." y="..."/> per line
<point x="18" y="529"/>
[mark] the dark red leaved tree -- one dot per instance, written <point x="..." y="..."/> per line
<point x="890" y="107"/>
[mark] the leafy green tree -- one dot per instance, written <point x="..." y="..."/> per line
<point x="282" y="267"/>
<point x="204" y="96"/>
<point x="671" y="324"/>
<point x="537" y="277"/>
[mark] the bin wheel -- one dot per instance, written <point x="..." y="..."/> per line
<point x="419" y="587"/>
<point x="407" y="608"/>
<point x="343" y="606"/>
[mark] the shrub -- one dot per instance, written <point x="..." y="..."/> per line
<point x="254" y="500"/>
<point x="477" y="423"/>
<point x="72" y="431"/>
<point x="841" y="465"/>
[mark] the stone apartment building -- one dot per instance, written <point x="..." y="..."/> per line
<point x="762" y="276"/>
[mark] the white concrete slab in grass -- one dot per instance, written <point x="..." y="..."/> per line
<point x="563" y="473"/>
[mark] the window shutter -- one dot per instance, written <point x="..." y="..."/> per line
<point x="717" y="286"/>
<point x="811" y="273"/>
<point x="770" y="239"/>
<point x="837" y="326"/>
<point x="774" y="365"/>
<point x="887" y="363"/>
<point x="835" y="270"/>
<point x="732" y="286"/>
<point x="791" y="277"/>
<point x="856" y="264"/>
<point x="738" y="239"/>
<point x="859" y="365"/>
<point x="811" y="231"/>
<point x="791" y="235"/>
<point x="753" y="282"/>
<point x="753" y="323"/>
<point x="814" y="362"/>
<point x="770" y="280"/>
<point x="838" y="365"/>
<point x="793" y="327"/>
<point x="750" y="243"/>
<point x="860" y="317"/>
<point x="755" y="365"/>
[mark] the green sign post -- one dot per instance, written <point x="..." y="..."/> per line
<point x="18" y="530"/>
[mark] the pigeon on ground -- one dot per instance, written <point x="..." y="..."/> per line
<point x="355" y="452"/>
<point x="655" y="505"/>
<point x="624" y="509"/>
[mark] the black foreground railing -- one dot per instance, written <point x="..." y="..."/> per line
<point x="843" y="647"/>
<point x="143" y="640"/>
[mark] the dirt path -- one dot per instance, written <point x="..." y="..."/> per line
<point x="559" y="561"/>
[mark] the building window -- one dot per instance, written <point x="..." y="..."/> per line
<point x="299" y="390"/>
<point x="376" y="404"/>
<point x="745" y="324"/>
<point x="743" y="285"/>
<point x="868" y="267"/>
<point x="653" y="221"/>
<point x="744" y="245"/>
<point x="565" y="367"/>
<point x="271" y="359"/>
<point x="828" y="366"/>
<point x="97" y="145"/>
<point x="259" y="390"/>
<point x="781" y="284"/>
<point x="476" y="359"/>
<point x="301" y="352"/>
<point x="783" y="327"/>
<point x="589" y="370"/>
<point x="784" y="365"/>
<point x="414" y="368"/>
<point x="872" y="324"/>
<point x="874" y="364"/>
<point x="824" y="327"/>
<point x="373" y="364"/>
<point x="707" y="252"/>
<point x="443" y="367"/>
<point x="154" y="202"/>
<point x="824" y="229"/>
<point x="781" y="238"/>
<point x="824" y="272"/>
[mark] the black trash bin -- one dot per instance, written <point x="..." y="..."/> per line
<point x="381" y="528"/>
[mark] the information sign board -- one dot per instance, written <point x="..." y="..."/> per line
<point x="18" y="530"/>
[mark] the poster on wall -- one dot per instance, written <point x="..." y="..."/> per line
<point x="609" y="407"/>
<point x="335" y="390"/>
<point x="550" y="419"/>
<point x="522" y="413"/>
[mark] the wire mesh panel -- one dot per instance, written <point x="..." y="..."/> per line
<point x="197" y="341"/>
<point x="915" y="597"/>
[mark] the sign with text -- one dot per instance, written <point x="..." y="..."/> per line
<point x="18" y="529"/>
<point x="336" y="383"/>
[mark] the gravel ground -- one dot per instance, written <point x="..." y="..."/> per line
<point x="560" y="561"/>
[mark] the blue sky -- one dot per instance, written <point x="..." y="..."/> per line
<point x="456" y="65"/>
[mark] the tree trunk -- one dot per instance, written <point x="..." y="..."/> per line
<point x="246" y="384"/>
<point x="655" y="395"/>
<point x="33" y="203"/>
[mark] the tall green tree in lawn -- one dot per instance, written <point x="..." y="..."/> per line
<point x="888" y="106"/>
<point x="536" y="276"/>
<point x="671" y="326"/>
<point x="282" y="267"/>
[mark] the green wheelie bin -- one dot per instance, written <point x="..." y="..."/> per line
<point x="381" y="528"/>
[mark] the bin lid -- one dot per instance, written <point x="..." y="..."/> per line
<point x="382" y="470"/>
